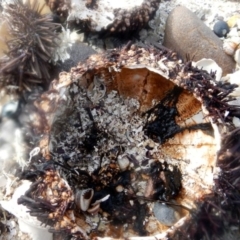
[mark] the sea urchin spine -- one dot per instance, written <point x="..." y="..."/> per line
<point x="33" y="39"/>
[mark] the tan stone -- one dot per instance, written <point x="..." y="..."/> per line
<point x="186" y="34"/>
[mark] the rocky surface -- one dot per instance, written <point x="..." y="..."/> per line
<point x="186" y="34"/>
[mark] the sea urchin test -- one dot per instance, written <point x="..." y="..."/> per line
<point x="126" y="137"/>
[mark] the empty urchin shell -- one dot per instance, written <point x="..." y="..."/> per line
<point x="132" y="147"/>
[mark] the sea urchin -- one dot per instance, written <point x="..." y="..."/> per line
<point x="131" y="133"/>
<point x="32" y="41"/>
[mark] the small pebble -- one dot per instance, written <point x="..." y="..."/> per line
<point x="10" y="109"/>
<point x="165" y="214"/>
<point x="232" y="21"/>
<point x="123" y="162"/>
<point x="119" y="188"/>
<point x="230" y="46"/>
<point x="221" y="28"/>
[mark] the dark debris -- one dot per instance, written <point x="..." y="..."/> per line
<point x="214" y="94"/>
<point x="161" y="123"/>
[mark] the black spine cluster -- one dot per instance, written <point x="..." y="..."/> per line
<point x="214" y="94"/>
<point x="30" y="47"/>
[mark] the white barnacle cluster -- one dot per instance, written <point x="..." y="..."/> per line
<point x="64" y="44"/>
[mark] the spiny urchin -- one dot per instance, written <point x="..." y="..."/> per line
<point x="32" y="42"/>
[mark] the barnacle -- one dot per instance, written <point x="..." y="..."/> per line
<point x="31" y="42"/>
<point x="159" y="116"/>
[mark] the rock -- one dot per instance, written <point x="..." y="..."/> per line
<point x="230" y="46"/>
<point x="221" y="28"/>
<point x="233" y="21"/>
<point x="123" y="162"/>
<point x="165" y="214"/>
<point x="186" y="34"/>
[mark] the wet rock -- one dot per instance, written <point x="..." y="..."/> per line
<point x="186" y="34"/>
<point x="221" y="28"/>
